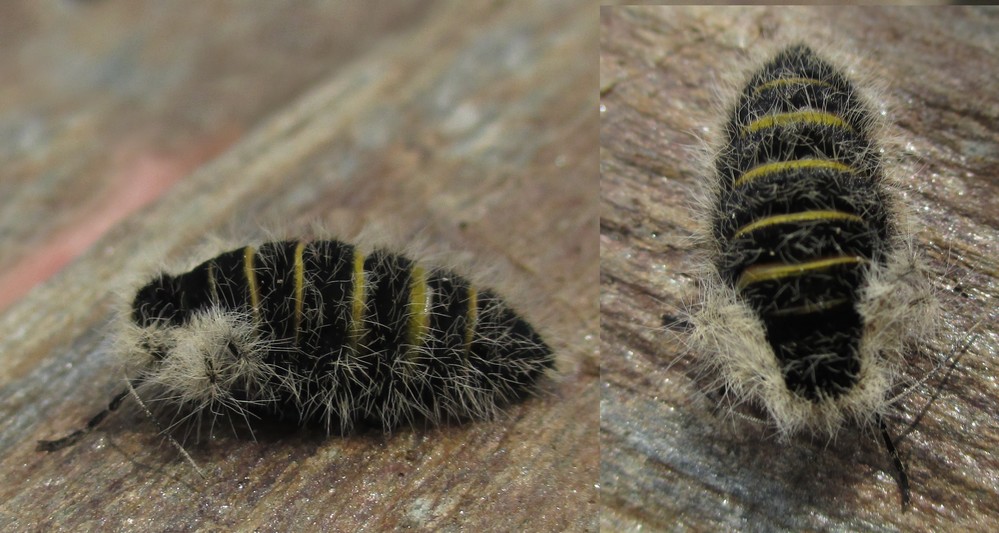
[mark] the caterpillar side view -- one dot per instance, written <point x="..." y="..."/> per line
<point x="322" y="334"/>
<point x="813" y="288"/>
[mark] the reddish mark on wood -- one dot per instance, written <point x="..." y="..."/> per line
<point x="140" y="174"/>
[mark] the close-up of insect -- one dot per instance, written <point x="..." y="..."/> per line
<point x="499" y="266"/>
<point x="813" y="291"/>
<point x="789" y="339"/>
<point x="300" y="267"/>
<point x="325" y="335"/>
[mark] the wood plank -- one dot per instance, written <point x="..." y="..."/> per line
<point x="108" y="104"/>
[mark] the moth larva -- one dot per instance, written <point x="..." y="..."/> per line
<point x="813" y="288"/>
<point x="321" y="333"/>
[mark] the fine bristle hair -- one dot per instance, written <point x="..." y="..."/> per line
<point x="324" y="333"/>
<point x="812" y="289"/>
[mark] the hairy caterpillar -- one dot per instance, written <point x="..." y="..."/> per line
<point x="813" y="289"/>
<point x="322" y="334"/>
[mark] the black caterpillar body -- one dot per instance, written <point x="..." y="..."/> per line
<point x="812" y="287"/>
<point x="321" y="334"/>
<point x="802" y="216"/>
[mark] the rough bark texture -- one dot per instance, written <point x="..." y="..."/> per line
<point x="470" y="126"/>
<point x="669" y="458"/>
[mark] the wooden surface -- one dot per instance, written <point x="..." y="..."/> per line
<point x="470" y="126"/>
<point x="668" y="459"/>
<point x="107" y="104"/>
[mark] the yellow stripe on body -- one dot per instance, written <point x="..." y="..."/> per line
<point x="419" y="308"/>
<point x="810" y="308"/>
<point x="471" y="318"/>
<point x="299" y="287"/>
<point x="818" y="118"/>
<point x="249" y="253"/>
<point x="791" y="218"/>
<point x="357" y="302"/>
<point x="789" y="81"/>
<point x="773" y="271"/>
<point x="768" y="169"/>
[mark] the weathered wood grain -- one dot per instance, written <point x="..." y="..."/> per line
<point x="106" y="104"/>
<point x="476" y="132"/>
<point x="668" y="459"/>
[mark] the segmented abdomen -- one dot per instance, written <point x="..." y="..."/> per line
<point x="802" y="215"/>
<point x="351" y="337"/>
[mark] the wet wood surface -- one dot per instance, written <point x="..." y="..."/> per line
<point x="669" y="458"/>
<point x="468" y="127"/>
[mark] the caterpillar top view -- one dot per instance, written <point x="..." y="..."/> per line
<point x="323" y="334"/>
<point x="812" y="288"/>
